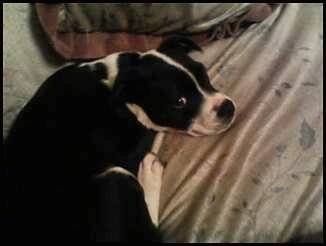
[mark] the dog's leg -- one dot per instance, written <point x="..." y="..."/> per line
<point x="117" y="209"/>
<point x="150" y="177"/>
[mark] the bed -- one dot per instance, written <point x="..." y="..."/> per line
<point x="262" y="180"/>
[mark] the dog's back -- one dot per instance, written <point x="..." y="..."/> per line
<point x="67" y="133"/>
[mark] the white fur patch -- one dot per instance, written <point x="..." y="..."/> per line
<point x="143" y="118"/>
<point x="111" y="62"/>
<point x="116" y="169"/>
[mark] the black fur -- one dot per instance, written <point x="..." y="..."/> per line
<point x="178" y="47"/>
<point x="156" y="87"/>
<point x="127" y="211"/>
<point x="179" y="44"/>
<point x="73" y="129"/>
<point x="68" y="132"/>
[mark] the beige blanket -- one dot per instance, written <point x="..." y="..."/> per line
<point x="262" y="180"/>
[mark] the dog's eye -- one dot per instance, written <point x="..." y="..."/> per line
<point x="181" y="102"/>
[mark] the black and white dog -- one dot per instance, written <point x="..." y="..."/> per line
<point x="74" y="151"/>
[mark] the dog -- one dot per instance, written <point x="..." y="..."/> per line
<point x="75" y="150"/>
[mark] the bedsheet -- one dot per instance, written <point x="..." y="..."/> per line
<point x="261" y="181"/>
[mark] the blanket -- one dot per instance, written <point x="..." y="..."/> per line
<point x="261" y="181"/>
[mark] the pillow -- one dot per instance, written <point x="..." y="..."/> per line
<point x="94" y="30"/>
<point x="149" y="18"/>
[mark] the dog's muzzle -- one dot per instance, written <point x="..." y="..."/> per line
<point x="216" y="115"/>
<point x="225" y="111"/>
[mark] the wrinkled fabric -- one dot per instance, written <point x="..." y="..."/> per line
<point x="261" y="181"/>
<point x="27" y="59"/>
<point x="150" y="18"/>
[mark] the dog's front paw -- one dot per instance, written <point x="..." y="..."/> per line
<point x="150" y="174"/>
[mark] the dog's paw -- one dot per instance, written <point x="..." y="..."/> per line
<point x="150" y="174"/>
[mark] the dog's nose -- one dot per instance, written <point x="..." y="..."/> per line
<point x="226" y="110"/>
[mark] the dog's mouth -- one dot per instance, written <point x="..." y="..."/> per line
<point x="206" y="131"/>
<point x="199" y="130"/>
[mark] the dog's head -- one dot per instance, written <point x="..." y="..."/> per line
<point x="166" y="89"/>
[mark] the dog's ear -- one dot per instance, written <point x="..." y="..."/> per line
<point x="180" y="43"/>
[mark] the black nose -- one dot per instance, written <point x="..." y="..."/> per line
<point x="226" y="110"/>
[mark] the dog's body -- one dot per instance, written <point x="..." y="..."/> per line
<point x="62" y="151"/>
